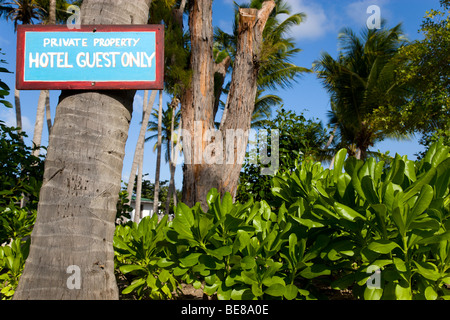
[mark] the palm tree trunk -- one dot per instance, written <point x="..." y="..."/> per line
<point x="158" y="157"/>
<point x="52" y="12"/>
<point x="43" y="108"/>
<point x="71" y="254"/>
<point x="171" y="191"/>
<point x="48" y="114"/>
<point x="18" y="111"/>
<point x="137" y="207"/>
<point x="148" y="106"/>
<point x="39" y="123"/>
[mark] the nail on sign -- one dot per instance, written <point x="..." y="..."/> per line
<point x="92" y="57"/>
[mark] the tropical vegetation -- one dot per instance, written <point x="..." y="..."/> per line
<point x="335" y="220"/>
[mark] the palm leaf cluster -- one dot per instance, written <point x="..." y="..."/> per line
<point x="361" y="80"/>
<point x="277" y="69"/>
<point x="168" y="114"/>
<point x="34" y="11"/>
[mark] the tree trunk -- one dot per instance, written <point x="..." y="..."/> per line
<point x="43" y="108"/>
<point x="172" y="190"/>
<point x="48" y="114"/>
<point x="208" y="164"/>
<point x="158" y="157"/>
<point x="137" y="209"/>
<point x="52" y="12"/>
<point x="141" y="148"/>
<point x="18" y="111"/>
<point x="39" y="123"/>
<point x="71" y="254"/>
<point x="148" y="106"/>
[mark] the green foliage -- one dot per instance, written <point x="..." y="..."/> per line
<point x="12" y="261"/>
<point x="360" y="81"/>
<point x="140" y="255"/>
<point x="300" y="140"/>
<point x="394" y="218"/>
<point x="334" y="227"/>
<point x="123" y="207"/>
<point x="20" y="175"/>
<point x="21" y="172"/>
<point x="4" y="89"/>
<point x="423" y="66"/>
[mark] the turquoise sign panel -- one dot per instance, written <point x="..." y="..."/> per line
<point x="90" y="58"/>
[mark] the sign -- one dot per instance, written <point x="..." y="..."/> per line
<point x="90" y="58"/>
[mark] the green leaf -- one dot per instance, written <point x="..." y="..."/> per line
<point x="275" y="290"/>
<point x="339" y="160"/>
<point x="190" y="260"/>
<point x="183" y="222"/>
<point x="417" y="186"/>
<point x="383" y="246"/>
<point x="220" y="252"/>
<point x="7" y="104"/>
<point x="422" y="203"/>
<point x="369" y="190"/>
<point x="436" y="239"/>
<point x="315" y="271"/>
<point x="403" y="292"/>
<point x="248" y="263"/>
<point x="373" y="293"/>
<point x="242" y="294"/>
<point x="428" y="270"/>
<point x="347" y="212"/>
<point x="400" y="264"/>
<point x="134" y="285"/>
<point x="256" y="290"/>
<point x="430" y="293"/>
<point x="130" y="268"/>
<point x="290" y="292"/>
<point x="164" y="276"/>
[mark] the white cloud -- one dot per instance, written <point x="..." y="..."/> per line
<point x="138" y="104"/>
<point x="316" y="24"/>
<point x="8" y="116"/>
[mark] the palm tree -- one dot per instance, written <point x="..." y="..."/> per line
<point x="166" y="126"/>
<point x="276" y="70"/>
<point x="166" y="131"/>
<point x="29" y="12"/>
<point x="158" y="157"/>
<point x="82" y="180"/>
<point x="361" y="80"/>
<point x="24" y="12"/>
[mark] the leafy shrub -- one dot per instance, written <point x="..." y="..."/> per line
<point x="395" y="219"/>
<point x="334" y="227"/>
<point x="20" y="174"/>
<point x="12" y="261"/>
<point x="140" y="255"/>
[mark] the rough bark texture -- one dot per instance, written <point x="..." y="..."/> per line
<point x="52" y="12"/>
<point x="199" y="104"/>
<point x="198" y="101"/>
<point x="77" y="207"/>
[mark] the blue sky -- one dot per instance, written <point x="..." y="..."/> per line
<point x="325" y="18"/>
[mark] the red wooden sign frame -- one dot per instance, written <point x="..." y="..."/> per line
<point x="158" y="84"/>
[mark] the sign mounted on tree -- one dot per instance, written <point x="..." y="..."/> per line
<point x="90" y="58"/>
